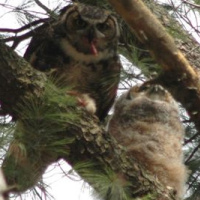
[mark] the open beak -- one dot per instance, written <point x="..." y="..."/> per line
<point x="93" y="36"/>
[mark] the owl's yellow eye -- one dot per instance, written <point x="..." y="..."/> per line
<point x="75" y="22"/>
<point x="107" y="28"/>
<point x="143" y="88"/>
<point x="79" y="23"/>
<point x="103" y="27"/>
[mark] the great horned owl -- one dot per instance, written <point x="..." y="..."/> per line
<point x="80" y="49"/>
<point x="146" y="122"/>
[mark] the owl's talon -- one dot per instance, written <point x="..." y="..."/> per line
<point x="84" y="100"/>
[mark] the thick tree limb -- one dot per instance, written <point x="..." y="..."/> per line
<point x="17" y="78"/>
<point x="151" y="33"/>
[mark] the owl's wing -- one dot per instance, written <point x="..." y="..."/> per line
<point x="109" y="85"/>
<point x="38" y="38"/>
<point x="43" y="52"/>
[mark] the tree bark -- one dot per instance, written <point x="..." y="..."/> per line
<point x="17" y="78"/>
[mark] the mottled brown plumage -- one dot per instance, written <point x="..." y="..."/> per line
<point x="80" y="49"/>
<point x="146" y="122"/>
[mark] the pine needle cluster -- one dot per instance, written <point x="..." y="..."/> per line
<point x="38" y="135"/>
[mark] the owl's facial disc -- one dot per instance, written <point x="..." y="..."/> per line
<point x="93" y="35"/>
<point x="88" y="36"/>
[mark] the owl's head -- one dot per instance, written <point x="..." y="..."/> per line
<point x="147" y="94"/>
<point x="88" y="31"/>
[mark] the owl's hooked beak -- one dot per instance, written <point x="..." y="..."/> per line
<point x="93" y="48"/>
<point x="93" y="35"/>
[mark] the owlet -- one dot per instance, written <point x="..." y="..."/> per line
<point x="146" y="122"/>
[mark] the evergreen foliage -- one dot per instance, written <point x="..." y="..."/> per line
<point x="37" y="135"/>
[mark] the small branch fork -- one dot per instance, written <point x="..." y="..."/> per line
<point x="191" y="4"/>
<point x="18" y="39"/>
<point x="23" y="28"/>
<point x="49" y="11"/>
<point x="187" y="8"/>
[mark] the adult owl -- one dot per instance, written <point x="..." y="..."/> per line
<point x="146" y="122"/>
<point x="79" y="48"/>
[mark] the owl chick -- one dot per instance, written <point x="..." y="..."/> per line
<point x="146" y="122"/>
<point x="80" y="50"/>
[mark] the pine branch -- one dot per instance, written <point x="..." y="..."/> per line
<point x="50" y="12"/>
<point x="18" y="39"/>
<point x="16" y="79"/>
<point x="192" y="154"/>
<point x="191" y="139"/>
<point x="191" y="4"/>
<point x="23" y="28"/>
<point x="151" y="33"/>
